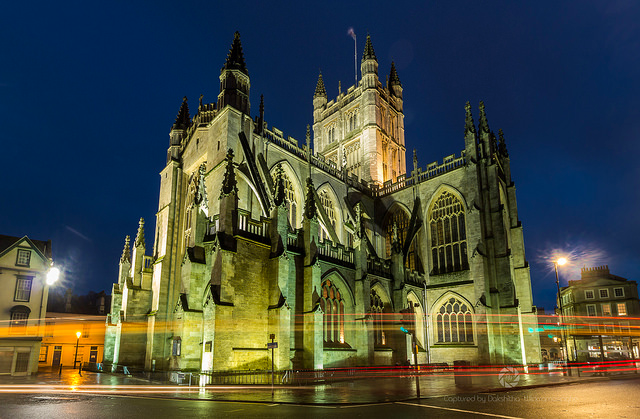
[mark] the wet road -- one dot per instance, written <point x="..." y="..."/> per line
<point x="611" y="398"/>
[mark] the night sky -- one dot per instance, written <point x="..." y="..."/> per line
<point x="89" y="92"/>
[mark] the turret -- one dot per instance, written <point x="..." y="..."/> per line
<point x="125" y="263"/>
<point x="138" y="254"/>
<point x="369" y="66"/>
<point x="179" y="131"/>
<point x="234" y="79"/>
<point x="395" y="87"/>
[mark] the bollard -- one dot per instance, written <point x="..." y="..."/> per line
<point x="60" y="371"/>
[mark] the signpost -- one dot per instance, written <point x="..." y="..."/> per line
<point x="272" y="345"/>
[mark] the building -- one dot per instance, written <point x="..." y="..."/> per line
<point x="60" y="340"/>
<point x="68" y="314"/>
<point x="601" y="313"/>
<point x="24" y="265"/>
<point x="328" y="249"/>
<point x="551" y="336"/>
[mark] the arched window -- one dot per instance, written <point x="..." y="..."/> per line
<point x="292" y="203"/>
<point x="329" y="209"/>
<point x="454" y="322"/>
<point x="332" y="304"/>
<point x="401" y="220"/>
<point x="448" y="235"/>
<point x="377" y="308"/>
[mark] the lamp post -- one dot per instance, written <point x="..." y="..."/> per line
<point x="75" y="358"/>
<point x="562" y="261"/>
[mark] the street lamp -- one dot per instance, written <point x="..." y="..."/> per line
<point x="75" y="358"/>
<point x="562" y="261"/>
<point x="52" y="275"/>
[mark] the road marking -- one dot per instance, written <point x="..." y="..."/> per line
<point x="364" y="405"/>
<point x="473" y="412"/>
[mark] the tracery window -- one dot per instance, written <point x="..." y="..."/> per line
<point x="448" y="235"/>
<point x="291" y="202"/>
<point x="377" y="309"/>
<point x="332" y="304"/>
<point x="329" y="209"/>
<point x="454" y="322"/>
<point x="401" y="220"/>
<point x="352" y="122"/>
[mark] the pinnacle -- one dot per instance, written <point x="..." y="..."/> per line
<point x="140" y="235"/>
<point x="393" y="76"/>
<point x="483" y="125"/>
<point x="369" y="53"/>
<point x="469" y="125"/>
<point x="183" y="120"/>
<point x="320" y="89"/>
<point x="235" y="58"/>
<point x="126" y="252"/>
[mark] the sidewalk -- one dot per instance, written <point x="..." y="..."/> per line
<point x="350" y="392"/>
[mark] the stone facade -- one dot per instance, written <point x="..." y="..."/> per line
<point x="330" y="249"/>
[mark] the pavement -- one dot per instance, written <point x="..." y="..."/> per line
<point x="359" y="391"/>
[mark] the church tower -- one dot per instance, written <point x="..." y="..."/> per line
<point x="234" y="79"/>
<point x="362" y="130"/>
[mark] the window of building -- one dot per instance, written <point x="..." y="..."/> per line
<point x="608" y="328"/>
<point x="44" y="350"/>
<point x="606" y="309"/>
<point x="332" y="304"/>
<point x="86" y="328"/>
<point x="23" y="289"/>
<point x="624" y="328"/>
<point x="591" y="310"/>
<point x="604" y="293"/>
<point x="454" y="322"/>
<point x="377" y="310"/>
<point x="401" y="220"/>
<point x="177" y="347"/>
<point x="23" y="258"/>
<point x="448" y="235"/>
<point x="618" y="292"/>
<point x="327" y="205"/>
<point x="292" y="203"/>
<point x="19" y="318"/>
<point x="588" y="294"/>
<point x="593" y="328"/>
<point x="622" y="309"/>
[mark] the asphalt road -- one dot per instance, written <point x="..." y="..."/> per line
<point x="614" y="398"/>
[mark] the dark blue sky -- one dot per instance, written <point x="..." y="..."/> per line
<point x="89" y="92"/>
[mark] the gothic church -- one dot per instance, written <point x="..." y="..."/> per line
<point x="326" y="249"/>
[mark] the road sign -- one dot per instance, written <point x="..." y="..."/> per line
<point x="272" y="345"/>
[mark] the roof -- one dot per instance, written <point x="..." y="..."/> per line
<point x="7" y="242"/>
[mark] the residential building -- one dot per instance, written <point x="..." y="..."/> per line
<point x="24" y="265"/>
<point x="602" y="314"/>
<point x="329" y="248"/>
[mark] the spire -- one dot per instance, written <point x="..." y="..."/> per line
<point x="469" y="125"/>
<point x="369" y="53"/>
<point x="278" y="193"/>
<point x="140" y="236"/>
<point x="235" y="58"/>
<point x="483" y="125"/>
<point x="183" y="120"/>
<point x="502" y="146"/>
<point x="393" y="76"/>
<point x="310" y="202"/>
<point x="229" y="181"/>
<point x="126" y="252"/>
<point x="320" y="89"/>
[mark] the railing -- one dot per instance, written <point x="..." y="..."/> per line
<point x="379" y="267"/>
<point x="433" y="169"/>
<point x="253" y="229"/>
<point x="338" y="253"/>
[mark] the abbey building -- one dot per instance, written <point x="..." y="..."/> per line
<point x="327" y="247"/>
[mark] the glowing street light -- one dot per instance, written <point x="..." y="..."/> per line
<point x="561" y="261"/>
<point x="75" y="358"/>
<point x="53" y="275"/>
